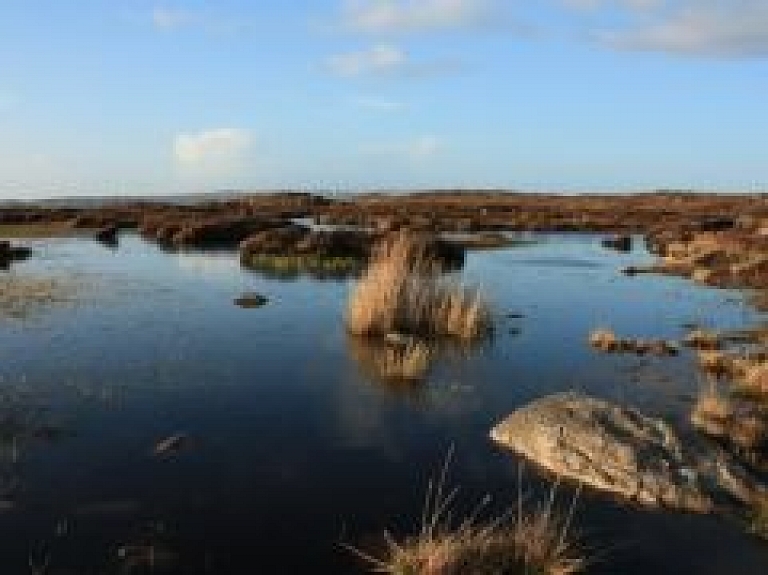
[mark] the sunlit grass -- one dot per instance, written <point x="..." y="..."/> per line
<point x="402" y="291"/>
<point x="523" y="541"/>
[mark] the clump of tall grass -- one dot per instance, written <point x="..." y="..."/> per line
<point x="604" y="340"/>
<point x="718" y="415"/>
<point x="703" y="339"/>
<point x="755" y="378"/>
<point x="403" y="291"/>
<point x="523" y="541"/>
<point x="711" y="405"/>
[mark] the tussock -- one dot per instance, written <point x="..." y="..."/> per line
<point x="403" y="291"/>
<point x="524" y="541"/>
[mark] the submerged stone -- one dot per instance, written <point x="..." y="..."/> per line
<point x="251" y="300"/>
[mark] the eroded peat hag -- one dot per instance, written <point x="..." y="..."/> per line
<point x="304" y="435"/>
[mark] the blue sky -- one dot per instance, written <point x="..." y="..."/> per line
<point x="143" y="96"/>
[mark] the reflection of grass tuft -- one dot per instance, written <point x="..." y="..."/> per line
<point x="406" y="362"/>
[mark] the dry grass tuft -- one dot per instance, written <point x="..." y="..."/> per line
<point x="532" y="542"/>
<point x="716" y="363"/>
<point x="703" y="339"/>
<point x="711" y="405"/>
<point x="402" y="291"/>
<point x="719" y="416"/>
<point x="604" y="340"/>
<point x="755" y="379"/>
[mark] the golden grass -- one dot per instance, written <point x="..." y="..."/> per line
<point x="719" y="416"/>
<point x="715" y="362"/>
<point x="712" y="405"/>
<point x="703" y="339"/>
<point x="755" y="378"/>
<point x="24" y="296"/>
<point x="604" y="340"/>
<point x="402" y="291"/>
<point x="523" y="541"/>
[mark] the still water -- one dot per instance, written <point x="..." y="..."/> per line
<point x="292" y="448"/>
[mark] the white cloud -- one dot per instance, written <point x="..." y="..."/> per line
<point x="415" y="15"/>
<point x="704" y="28"/>
<point x="169" y="18"/>
<point x="417" y="149"/>
<point x="218" y="150"/>
<point x="382" y="58"/>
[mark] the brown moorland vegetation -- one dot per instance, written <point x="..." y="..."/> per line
<point x="402" y="291"/>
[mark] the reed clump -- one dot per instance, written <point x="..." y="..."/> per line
<point x="523" y="541"/>
<point x="403" y="291"/>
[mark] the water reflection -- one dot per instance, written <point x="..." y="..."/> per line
<point x="399" y="364"/>
<point x="402" y="364"/>
<point x="288" y="268"/>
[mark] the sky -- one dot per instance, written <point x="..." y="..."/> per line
<point x="141" y="97"/>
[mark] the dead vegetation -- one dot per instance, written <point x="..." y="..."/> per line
<point x="529" y="539"/>
<point x="25" y="296"/>
<point x="402" y="291"/>
<point x="703" y="339"/>
<point x="606" y="341"/>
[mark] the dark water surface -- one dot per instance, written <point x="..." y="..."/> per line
<point x="291" y="448"/>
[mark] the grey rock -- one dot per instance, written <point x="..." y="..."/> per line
<point x="617" y="449"/>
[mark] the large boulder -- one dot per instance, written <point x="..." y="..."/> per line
<point x="618" y="450"/>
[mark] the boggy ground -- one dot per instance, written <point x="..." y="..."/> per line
<point x="672" y="222"/>
<point x="652" y="213"/>
<point x="714" y="239"/>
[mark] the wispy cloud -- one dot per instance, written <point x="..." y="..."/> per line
<point x="705" y="28"/>
<point x="715" y="28"/>
<point x="379" y="59"/>
<point x="390" y="60"/>
<point x="417" y="149"/>
<point x="389" y="16"/>
<point x="217" y="150"/>
<point x="166" y="18"/>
